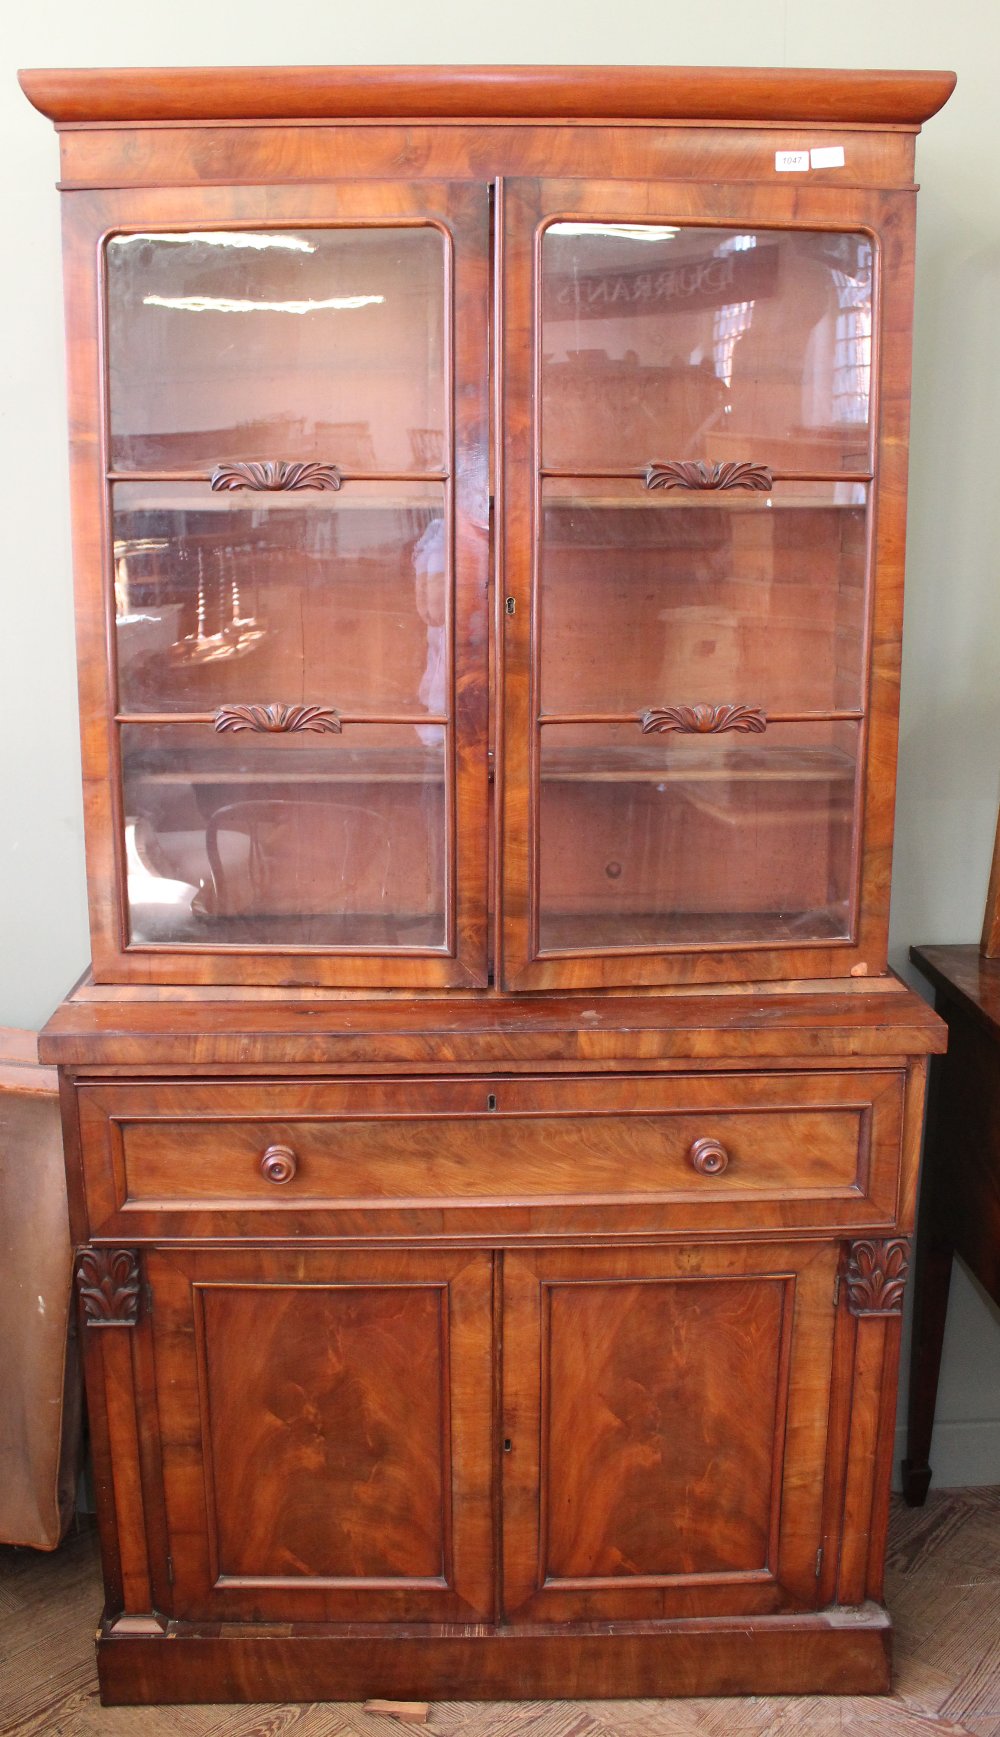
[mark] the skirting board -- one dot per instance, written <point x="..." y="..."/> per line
<point x="835" y="1652"/>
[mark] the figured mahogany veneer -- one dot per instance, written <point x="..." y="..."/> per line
<point x="341" y="1411"/>
<point x="487" y="92"/>
<point x="159" y="1031"/>
<point x="572" y="1156"/>
<point x="630" y="1340"/>
<point x="491" y="1131"/>
<point x="536" y="882"/>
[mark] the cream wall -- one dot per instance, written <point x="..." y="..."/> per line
<point x="950" y="747"/>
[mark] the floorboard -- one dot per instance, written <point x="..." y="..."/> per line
<point x="943" y="1591"/>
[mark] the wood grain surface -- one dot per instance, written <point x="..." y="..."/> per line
<point x="326" y="1450"/>
<point x="493" y="1156"/>
<point x="458" y="956"/>
<point x="539" y="1338"/>
<point x="816" y="896"/>
<point x="108" y="1027"/>
<point x="633" y="1487"/>
<point x="688" y="93"/>
<point x="943" y="1582"/>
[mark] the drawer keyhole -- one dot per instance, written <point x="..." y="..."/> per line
<point x="278" y="1164"/>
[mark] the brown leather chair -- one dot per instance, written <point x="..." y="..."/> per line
<point x="40" y="1390"/>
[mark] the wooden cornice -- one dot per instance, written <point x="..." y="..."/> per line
<point x="655" y="93"/>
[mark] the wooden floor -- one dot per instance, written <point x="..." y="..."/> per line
<point x="944" y="1593"/>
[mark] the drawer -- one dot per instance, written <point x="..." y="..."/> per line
<point x="435" y="1157"/>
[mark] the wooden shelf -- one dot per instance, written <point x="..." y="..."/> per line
<point x="697" y="500"/>
<point x="658" y="764"/>
<point x="587" y="931"/>
<point x="331" y="764"/>
<point x="156" y="925"/>
<point x="193" y="497"/>
<point x="641" y="764"/>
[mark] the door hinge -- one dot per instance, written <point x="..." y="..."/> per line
<point x="819" y="1561"/>
<point x="147" y="1291"/>
<point x="170" y="1569"/>
<point x="836" y="1290"/>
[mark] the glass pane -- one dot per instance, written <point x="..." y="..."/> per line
<point x="653" y="599"/>
<point x="682" y="343"/>
<point x="333" y="599"/>
<point x="261" y="840"/>
<point x="321" y="344"/>
<point x="718" y="840"/>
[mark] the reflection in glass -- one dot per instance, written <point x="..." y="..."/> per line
<point x="311" y="344"/>
<point x="720" y="840"/>
<point x="662" y="342"/>
<point x="679" y="598"/>
<point x="263" y="840"/>
<point x="329" y="599"/>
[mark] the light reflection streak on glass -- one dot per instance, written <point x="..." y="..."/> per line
<point x="230" y="305"/>
<point x="221" y="238"/>
<point x="629" y="231"/>
<point x="147" y="888"/>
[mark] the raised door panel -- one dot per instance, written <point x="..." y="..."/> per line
<point x="665" y="1431"/>
<point x="282" y="538"/>
<point x="326" y="1427"/>
<point x="705" y="398"/>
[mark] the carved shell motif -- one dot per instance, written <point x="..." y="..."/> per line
<point x="876" y="1276"/>
<point x="681" y="473"/>
<point x="274" y="474"/>
<point x="108" y="1282"/>
<point x="278" y="720"/>
<point x="703" y="720"/>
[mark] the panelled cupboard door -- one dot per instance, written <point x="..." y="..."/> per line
<point x="325" y="1423"/>
<point x="281" y="545"/>
<point x="665" y="1419"/>
<point x="705" y="402"/>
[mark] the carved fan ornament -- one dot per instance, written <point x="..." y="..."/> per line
<point x="876" y="1276"/>
<point x="703" y="720"/>
<point x="682" y="473"/>
<point x="108" y="1282"/>
<point x="278" y="720"/>
<point x="275" y="474"/>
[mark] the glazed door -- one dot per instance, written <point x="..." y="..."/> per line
<point x="699" y="672"/>
<point x="293" y="773"/>
<point x="665" y="1423"/>
<point x="325" y="1426"/>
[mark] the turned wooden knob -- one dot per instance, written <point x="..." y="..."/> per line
<point x="278" y="1164"/>
<point x="709" y="1157"/>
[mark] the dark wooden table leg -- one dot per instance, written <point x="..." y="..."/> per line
<point x="931" y="1281"/>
